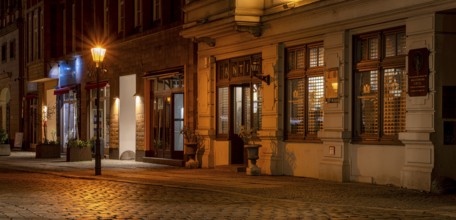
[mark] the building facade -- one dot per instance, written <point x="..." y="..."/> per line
<point x="155" y="79"/>
<point x="57" y="58"/>
<point x="147" y="62"/>
<point x="11" y="68"/>
<point x="358" y="91"/>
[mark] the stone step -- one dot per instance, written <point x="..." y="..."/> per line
<point x="164" y="161"/>
<point x="238" y="168"/>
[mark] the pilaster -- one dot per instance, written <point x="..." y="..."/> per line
<point x="270" y="134"/>
<point x="419" y="150"/>
<point x="334" y="163"/>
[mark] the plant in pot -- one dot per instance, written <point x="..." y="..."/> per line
<point x="5" y="148"/>
<point x="248" y="136"/>
<point x="79" y="150"/>
<point x="158" y="148"/>
<point x="46" y="114"/>
<point x="192" y="143"/>
<point x="48" y="148"/>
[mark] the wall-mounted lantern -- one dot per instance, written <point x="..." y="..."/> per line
<point x="332" y="85"/>
<point x="255" y="68"/>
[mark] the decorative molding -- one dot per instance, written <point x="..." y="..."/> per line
<point x="209" y="41"/>
<point x="253" y="30"/>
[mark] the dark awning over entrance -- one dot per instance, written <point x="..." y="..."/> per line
<point x="63" y="90"/>
<point x="94" y="85"/>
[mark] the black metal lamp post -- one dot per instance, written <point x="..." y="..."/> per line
<point x="98" y="54"/>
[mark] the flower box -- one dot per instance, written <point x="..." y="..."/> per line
<point x="47" y="151"/>
<point x="79" y="154"/>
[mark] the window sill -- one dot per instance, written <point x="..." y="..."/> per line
<point x="315" y="141"/>
<point x="377" y="142"/>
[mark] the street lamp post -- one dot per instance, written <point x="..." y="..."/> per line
<point x="98" y="54"/>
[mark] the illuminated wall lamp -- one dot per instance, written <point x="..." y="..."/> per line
<point x="255" y="68"/>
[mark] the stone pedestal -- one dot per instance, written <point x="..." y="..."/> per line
<point x="252" y="155"/>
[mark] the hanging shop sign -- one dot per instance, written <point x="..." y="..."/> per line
<point x="418" y="72"/>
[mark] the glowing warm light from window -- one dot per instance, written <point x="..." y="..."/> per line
<point x="45" y="110"/>
<point x="334" y="86"/>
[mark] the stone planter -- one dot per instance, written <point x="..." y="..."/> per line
<point x="252" y="155"/>
<point x="190" y="154"/>
<point x="47" y="151"/>
<point x="79" y="154"/>
<point x="5" y="150"/>
<point x="190" y="149"/>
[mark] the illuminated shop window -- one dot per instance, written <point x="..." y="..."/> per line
<point x="379" y="86"/>
<point x="304" y="91"/>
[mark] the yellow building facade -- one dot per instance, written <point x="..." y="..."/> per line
<point x="357" y="90"/>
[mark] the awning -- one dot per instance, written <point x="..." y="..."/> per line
<point x="165" y="73"/>
<point x="94" y="85"/>
<point x="31" y="96"/>
<point x="42" y="80"/>
<point x="63" y="90"/>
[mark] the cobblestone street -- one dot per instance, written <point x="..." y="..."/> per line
<point x="131" y="190"/>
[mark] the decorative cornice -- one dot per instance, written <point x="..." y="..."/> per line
<point x="254" y="30"/>
<point x="209" y="41"/>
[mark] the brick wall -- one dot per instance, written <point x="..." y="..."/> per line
<point x="141" y="54"/>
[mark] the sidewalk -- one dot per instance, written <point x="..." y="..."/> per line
<point x="224" y="180"/>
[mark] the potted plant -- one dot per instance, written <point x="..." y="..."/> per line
<point x="5" y="148"/>
<point x="248" y="136"/>
<point x="48" y="149"/>
<point x="158" y="148"/>
<point x="79" y="150"/>
<point x="192" y="139"/>
<point x="46" y="115"/>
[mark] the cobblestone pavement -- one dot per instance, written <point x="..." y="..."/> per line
<point x="53" y="189"/>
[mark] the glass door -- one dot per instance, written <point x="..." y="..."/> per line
<point x="167" y="116"/>
<point x="241" y="117"/>
<point x="162" y="126"/>
<point x="178" y="118"/>
<point x="68" y="117"/>
<point x="246" y="111"/>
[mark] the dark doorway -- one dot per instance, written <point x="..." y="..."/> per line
<point x="168" y="116"/>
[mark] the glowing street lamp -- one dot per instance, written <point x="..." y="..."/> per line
<point x="98" y="54"/>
